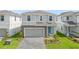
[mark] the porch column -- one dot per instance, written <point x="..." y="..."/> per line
<point x="47" y="31"/>
<point x="67" y="31"/>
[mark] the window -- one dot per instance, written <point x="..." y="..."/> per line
<point x="2" y="18"/>
<point x="67" y="18"/>
<point x="40" y="18"/>
<point x="50" y="18"/>
<point x="28" y="18"/>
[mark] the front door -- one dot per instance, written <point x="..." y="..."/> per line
<point x="50" y="30"/>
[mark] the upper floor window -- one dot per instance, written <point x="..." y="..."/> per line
<point x="50" y="18"/>
<point x="28" y="18"/>
<point x="40" y="18"/>
<point x="2" y="18"/>
<point x="67" y="18"/>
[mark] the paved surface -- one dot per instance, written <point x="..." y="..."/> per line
<point x="32" y="43"/>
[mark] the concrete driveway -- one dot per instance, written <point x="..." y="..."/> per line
<point x="32" y="43"/>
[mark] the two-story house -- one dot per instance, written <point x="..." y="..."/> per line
<point x="10" y="23"/>
<point x="38" y="24"/>
<point x="68" y="23"/>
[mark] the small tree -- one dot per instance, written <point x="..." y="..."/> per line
<point x="5" y="36"/>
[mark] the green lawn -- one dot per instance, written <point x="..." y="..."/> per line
<point x="14" y="43"/>
<point x="64" y="43"/>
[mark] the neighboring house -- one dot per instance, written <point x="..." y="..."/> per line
<point x="38" y="24"/>
<point x="10" y="23"/>
<point x="68" y="23"/>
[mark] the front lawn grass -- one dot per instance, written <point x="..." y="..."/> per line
<point x="64" y="43"/>
<point x="15" y="40"/>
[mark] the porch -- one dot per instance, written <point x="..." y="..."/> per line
<point x="72" y="31"/>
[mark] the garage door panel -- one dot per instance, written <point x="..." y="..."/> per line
<point x="34" y="32"/>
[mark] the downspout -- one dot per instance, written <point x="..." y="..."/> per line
<point x="76" y="21"/>
<point x="67" y="31"/>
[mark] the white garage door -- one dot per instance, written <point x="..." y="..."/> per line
<point x="34" y="32"/>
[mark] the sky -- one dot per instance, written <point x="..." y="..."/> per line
<point x="51" y="11"/>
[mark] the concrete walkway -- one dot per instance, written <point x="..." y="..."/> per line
<point x="32" y="43"/>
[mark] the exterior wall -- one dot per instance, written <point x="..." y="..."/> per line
<point x="60" y="25"/>
<point x="35" y="20"/>
<point x="15" y="22"/>
<point x="74" y="19"/>
<point x="5" y="24"/>
<point x="15" y="25"/>
<point x="10" y="24"/>
<point x="37" y="17"/>
<point x="61" y="28"/>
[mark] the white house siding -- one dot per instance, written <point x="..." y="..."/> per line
<point x="63" y="18"/>
<point x="5" y="24"/>
<point x="74" y="19"/>
<point x="60" y="25"/>
<point x="15" y="25"/>
<point x="37" y="17"/>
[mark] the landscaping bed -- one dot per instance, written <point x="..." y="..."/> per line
<point x="50" y="40"/>
<point x="64" y="43"/>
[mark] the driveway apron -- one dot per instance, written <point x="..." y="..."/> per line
<point x="32" y="43"/>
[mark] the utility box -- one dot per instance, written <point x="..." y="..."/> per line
<point x="7" y="42"/>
